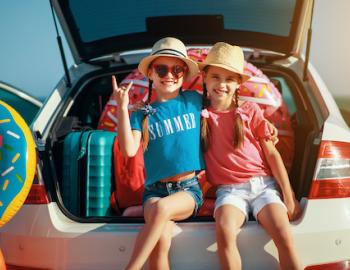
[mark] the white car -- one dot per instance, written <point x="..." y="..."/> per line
<point x="110" y="37"/>
<point x="22" y="102"/>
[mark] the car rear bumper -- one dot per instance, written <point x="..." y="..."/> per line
<point x="41" y="236"/>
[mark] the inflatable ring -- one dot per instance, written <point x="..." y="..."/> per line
<point x="17" y="162"/>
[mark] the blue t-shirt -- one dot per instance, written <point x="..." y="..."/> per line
<point x="174" y="136"/>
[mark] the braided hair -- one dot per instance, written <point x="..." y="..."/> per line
<point x="238" y="125"/>
<point x="204" y="121"/>
<point x="145" y="132"/>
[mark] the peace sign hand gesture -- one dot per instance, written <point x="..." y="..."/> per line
<point x="121" y="94"/>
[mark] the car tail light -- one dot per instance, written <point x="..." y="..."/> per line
<point x="332" y="176"/>
<point x="343" y="265"/>
<point x="16" y="267"/>
<point x="37" y="193"/>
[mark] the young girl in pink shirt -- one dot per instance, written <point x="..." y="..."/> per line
<point x="243" y="162"/>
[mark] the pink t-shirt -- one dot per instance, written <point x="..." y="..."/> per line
<point x="226" y="165"/>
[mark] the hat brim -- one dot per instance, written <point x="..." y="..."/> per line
<point x="245" y="77"/>
<point x="192" y="65"/>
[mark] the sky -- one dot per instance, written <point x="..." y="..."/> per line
<point x="29" y="54"/>
<point x="330" y="45"/>
<point x="30" y="59"/>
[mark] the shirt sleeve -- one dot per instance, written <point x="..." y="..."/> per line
<point x="136" y="120"/>
<point x="195" y="97"/>
<point x="260" y="126"/>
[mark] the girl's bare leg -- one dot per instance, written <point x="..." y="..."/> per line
<point x="159" y="258"/>
<point x="273" y="217"/>
<point x="177" y="206"/>
<point x="228" y="219"/>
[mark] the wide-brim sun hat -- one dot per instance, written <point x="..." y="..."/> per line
<point x="226" y="56"/>
<point x="169" y="47"/>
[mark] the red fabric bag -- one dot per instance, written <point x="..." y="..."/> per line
<point x="129" y="177"/>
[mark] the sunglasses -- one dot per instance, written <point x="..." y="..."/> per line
<point x="177" y="71"/>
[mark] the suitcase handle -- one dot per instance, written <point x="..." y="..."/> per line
<point x="83" y="142"/>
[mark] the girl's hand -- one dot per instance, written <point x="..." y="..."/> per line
<point x="293" y="207"/>
<point x="121" y="94"/>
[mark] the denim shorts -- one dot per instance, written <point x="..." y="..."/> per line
<point x="251" y="196"/>
<point x="163" y="189"/>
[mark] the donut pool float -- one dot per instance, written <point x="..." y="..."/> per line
<point x="17" y="162"/>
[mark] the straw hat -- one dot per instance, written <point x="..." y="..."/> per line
<point x="169" y="47"/>
<point x="226" y="56"/>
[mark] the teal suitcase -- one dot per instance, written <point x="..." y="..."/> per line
<point x="88" y="173"/>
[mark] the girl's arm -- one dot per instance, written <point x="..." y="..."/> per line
<point x="274" y="132"/>
<point x="279" y="171"/>
<point x="129" y="140"/>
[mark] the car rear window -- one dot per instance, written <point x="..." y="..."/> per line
<point x="101" y="19"/>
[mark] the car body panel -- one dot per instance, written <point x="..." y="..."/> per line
<point x="23" y="103"/>
<point x="49" y="239"/>
<point x="335" y="127"/>
<point x="58" y="96"/>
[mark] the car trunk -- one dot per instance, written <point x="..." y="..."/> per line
<point x="195" y="237"/>
<point x="279" y="33"/>
<point x="94" y="93"/>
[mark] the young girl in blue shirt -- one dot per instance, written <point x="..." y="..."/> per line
<point x="169" y="130"/>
